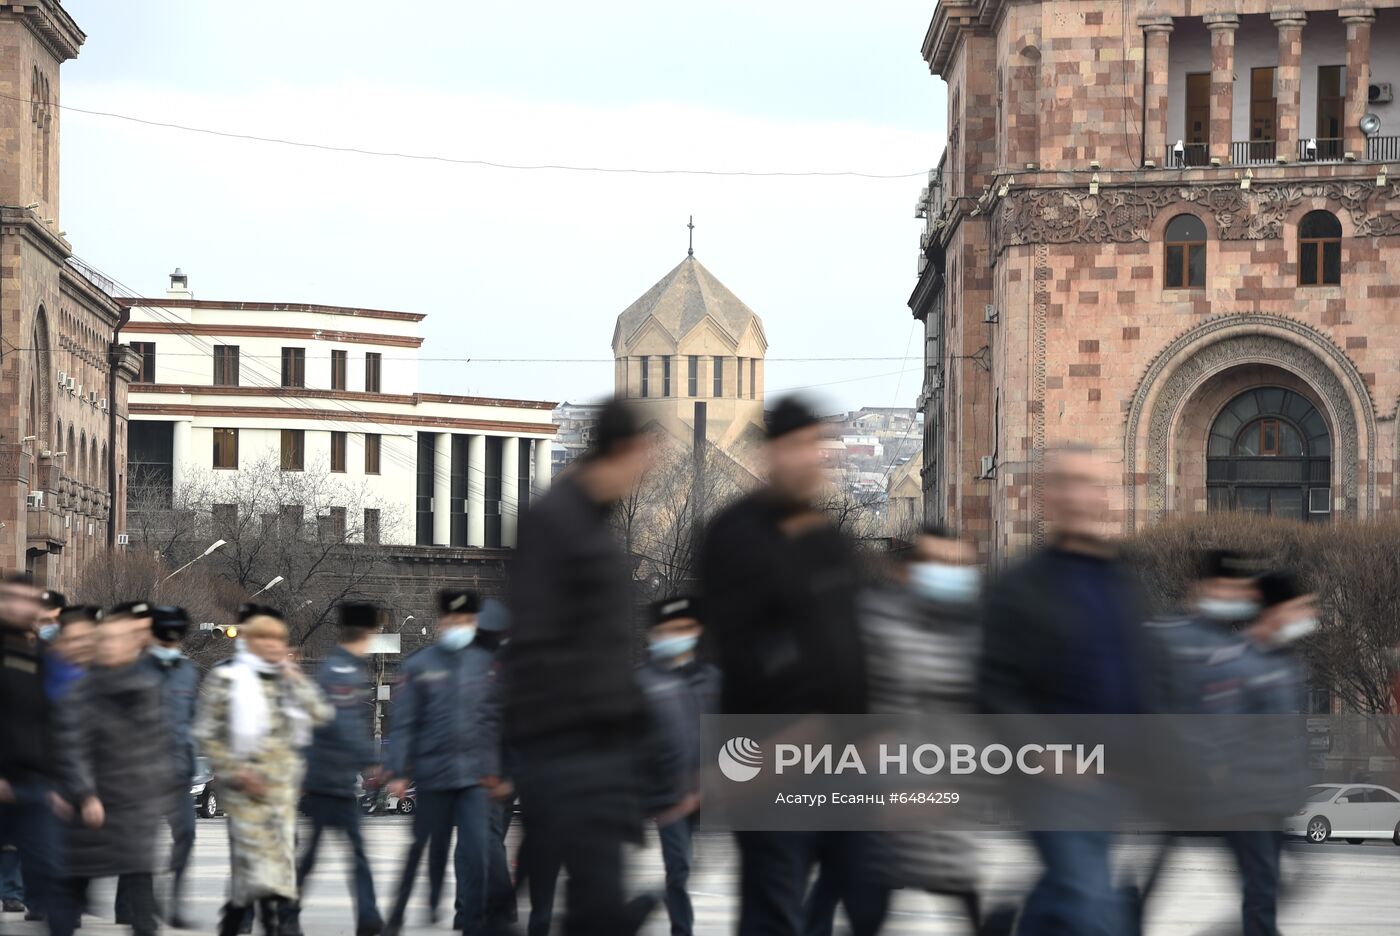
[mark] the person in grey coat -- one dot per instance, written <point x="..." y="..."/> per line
<point x="179" y="686"/>
<point x="446" y="741"/>
<point x="119" y="755"/>
<point x="340" y="750"/>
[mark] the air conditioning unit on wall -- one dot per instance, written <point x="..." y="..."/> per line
<point x="989" y="467"/>
<point x="123" y="539"/>
<point x="1380" y="92"/>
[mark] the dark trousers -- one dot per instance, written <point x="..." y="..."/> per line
<point x="140" y="901"/>
<point x="180" y="819"/>
<point x="541" y="880"/>
<point x="29" y="824"/>
<point x="1075" y="895"/>
<point x="775" y="866"/>
<point x="500" y="892"/>
<point x="677" y="846"/>
<point x="341" y="813"/>
<point x="1258" y="854"/>
<point x="468" y="810"/>
<point x="11" y="881"/>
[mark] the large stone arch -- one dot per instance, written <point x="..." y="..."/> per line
<point x="43" y="379"/>
<point x="1218" y="345"/>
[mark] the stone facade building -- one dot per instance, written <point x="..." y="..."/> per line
<point x="1168" y="229"/>
<point x="63" y="376"/>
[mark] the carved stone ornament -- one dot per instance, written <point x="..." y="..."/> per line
<point x="1125" y="214"/>
<point x="1282" y="342"/>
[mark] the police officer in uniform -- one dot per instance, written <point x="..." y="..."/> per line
<point x="179" y="686"/>
<point x="446" y="741"/>
<point x="340" y="749"/>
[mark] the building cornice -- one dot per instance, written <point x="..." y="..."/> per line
<point x="314" y="393"/>
<point x="951" y="18"/>
<point x="275" y="414"/>
<point x="50" y="24"/>
<point x="137" y="302"/>
<point x="270" y="331"/>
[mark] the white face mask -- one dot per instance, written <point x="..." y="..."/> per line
<point x="166" y="653"/>
<point x="1227" y="609"/>
<point x="456" y="638"/>
<point x="948" y="584"/>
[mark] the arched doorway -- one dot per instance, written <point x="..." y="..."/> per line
<point x="1270" y="453"/>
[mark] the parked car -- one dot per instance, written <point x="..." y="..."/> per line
<point x="1351" y="811"/>
<point x="204" y="789"/>
<point x="376" y="798"/>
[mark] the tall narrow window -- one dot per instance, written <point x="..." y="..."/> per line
<point x="338" y="368"/>
<point x="1263" y="115"/>
<point x="739" y="366"/>
<point x="692" y="375"/>
<point x="371" y="532"/>
<point x="226" y="448"/>
<point x="666" y="375"/>
<point x="293" y="367"/>
<point x="1185" y="266"/>
<point x="372" y="367"/>
<point x="225" y="365"/>
<point x="718" y="363"/>
<point x="1197" y="118"/>
<point x="1320" y="250"/>
<point x="646" y="376"/>
<point x="372" y="441"/>
<point x="753" y="378"/>
<point x="1331" y="110"/>
<point x="293" y="449"/>
<point x="338" y="451"/>
<point x="147" y="350"/>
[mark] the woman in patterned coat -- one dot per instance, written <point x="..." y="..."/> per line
<point x="255" y="719"/>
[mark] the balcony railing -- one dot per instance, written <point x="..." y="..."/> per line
<point x="1383" y="149"/>
<point x="1189" y="154"/>
<point x="1320" y="150"/>
<point x="1253" y="152"/>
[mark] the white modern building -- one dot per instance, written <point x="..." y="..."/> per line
<point x="228" y="385"/>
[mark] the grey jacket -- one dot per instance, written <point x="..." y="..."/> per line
<point x="675" y="701"/>
<point x="343" y="746"/>
<point x="446" y="731"/>
<point x="179" y="690"/>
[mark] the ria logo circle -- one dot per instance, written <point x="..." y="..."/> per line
<point x="740" y="759"/>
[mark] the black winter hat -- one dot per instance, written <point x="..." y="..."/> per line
<point x="360" y="615"/>
<point x="791" y="414"/>
<point x="169" y="622"/>
<point x="458" y="601"/>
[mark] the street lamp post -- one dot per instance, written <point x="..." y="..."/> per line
<point x="215" y="545"/>
<point x="275" y="581"/>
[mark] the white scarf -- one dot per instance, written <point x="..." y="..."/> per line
<point x="249" y="719"/>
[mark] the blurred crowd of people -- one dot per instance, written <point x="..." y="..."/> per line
<point x="543" y="708"/>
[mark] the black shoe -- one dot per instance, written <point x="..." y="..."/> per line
<point x="181" y="922"/>
<point x="369" y="929"/>
<point x="13" y="906"/>
<point x="637" y="911"/>
<point x="122" y="920"/>
<point x="34" y="916"/>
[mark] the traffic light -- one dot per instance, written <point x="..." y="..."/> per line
<point x="227" y="630"/>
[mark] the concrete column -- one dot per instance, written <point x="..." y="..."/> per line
<point x="442" y="489"/>
<point x="544" y="466"/>
<point x="179" y="453"/>
<point x="1359" y="21"/>
<point x="476" y="490"/>
<point x="1157" y="53"/>
<point x="510" y="490"/>
<point x="1288" y="81"/>
<point x="1223" y="27"/>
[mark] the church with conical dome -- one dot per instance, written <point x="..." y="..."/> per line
<point x="691" y="352"/>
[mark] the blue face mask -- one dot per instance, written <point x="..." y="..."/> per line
<point x="166" y="653"/>
<point x="946" y="584"/>
<point x="48" y="632"/>
<point x="668" y="648"/>
<point x="457" y="637"/>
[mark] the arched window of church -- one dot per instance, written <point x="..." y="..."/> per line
<point x="1185" y="253"/>
<point x="1270" y="452"/>
<point x="1320" y="249"/>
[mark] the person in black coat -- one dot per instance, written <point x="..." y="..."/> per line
<point x="573" y="710"/>
<point x="780" y="585"/>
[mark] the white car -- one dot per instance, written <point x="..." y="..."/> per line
<point x="1351" y="811"/>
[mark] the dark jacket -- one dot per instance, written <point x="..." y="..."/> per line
<point x="568" y="667"/>
<point x="676" y="699"/>
<point x="1042" y="651"/>
<point x="446" y="730"/>
<point x="781" y="613"/>
<point x="179" y="689"/>
<point x="117" y="733"/>
<point x="27" y="723"/>
<point x="344" y="746"/>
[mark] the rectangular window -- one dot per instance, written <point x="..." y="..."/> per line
<point x="293" y="449"/>
<point x="226" y="448"/>
<point x="1268" y="437"/>
<point x="338" y="451"/>
<point x="147" y="350"/>
<point x="719" y="375"/>
<point x="289" y="517"/>
<point x="338" y="366"/>
<point x="372" y="367"/>
<point x="753" y="378"/>
<point x="372" y="453"/>
<point x="692" y="375"/>
<point x="372" y="525"/>
<point x="225" y="365"/>
<point x="293" y="367"/>
<point x="1263" y="114"/>
<point x="646" y="376"/>
<point x="1197" y="117"/>
<point x="1331" y="110"/>
<point x="1186" y="266"/>
<point x="666" y="375"/>
<point x="331" y="527"/>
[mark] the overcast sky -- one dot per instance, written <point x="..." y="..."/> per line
<point x="518" y="264"/>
